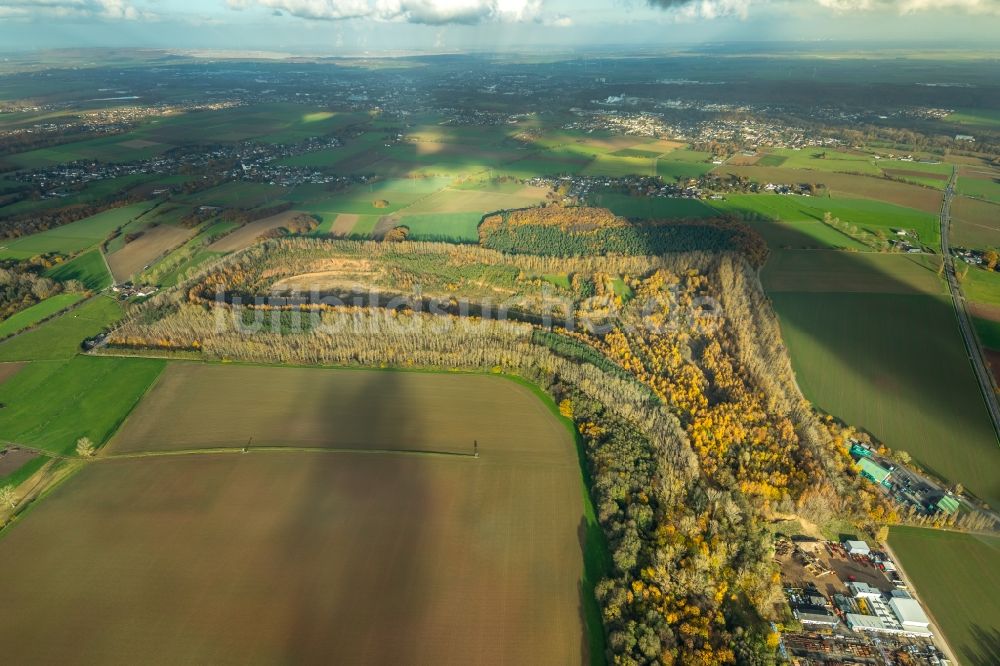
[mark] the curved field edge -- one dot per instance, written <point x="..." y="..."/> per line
<point x="595" y="554"/>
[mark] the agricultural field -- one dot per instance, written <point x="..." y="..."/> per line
<point x="867" y="214"/>
<point x="975" y="223"/>
<point x="50" y="404"/>
<point x="74" y="237"/>
<point x="907" y="195"/>
<point x="986" y="319"/>
<point x="980" y="183"/>
<point x="134" y="257"/>
<point x="91" y="193"/>
<point x="805" y="234"/>
<point x="464" y="200"/>
<point x="273" y="123"/>
<point x="470" y="551"/>
<point x="8" y="370"/>
<point x="60" y="337"/>
<point x="981" y="286"/>
<point x="894" y="364"/>
<point x="975" y="118"/>
<point x="380" y="198"/>
<point x="819" y="271"/>
<point x="236" y="194"/>
<point x="324" y="403"/>
<point x="249" y="233"/>
<point x="17" y="466"/>
<point x="930" y="173"/>
<point x="433" y="208"/>
<point x="617" y="166"/>
<point x="89" y="268"/>
<point x="106" y="149"/>
<point x="37" y="312"/>
<point x="817" y="158"/>
<point x="957" y="576"/>
<point x="449" y="227"/>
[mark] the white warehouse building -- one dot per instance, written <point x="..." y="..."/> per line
<point x="908" y="611"/>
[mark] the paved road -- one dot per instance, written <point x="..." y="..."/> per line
<point x="975" y="353"/>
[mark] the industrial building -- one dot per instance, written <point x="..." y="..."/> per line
<point x="868" y="610"/>
<point x="948" y="504"/>
<point x="908" y="611"/>
<point x="815" y="616"/>
<point x="857" y="548"/>
<point x="872" y="471"/>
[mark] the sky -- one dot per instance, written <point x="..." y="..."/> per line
<point x="320" y="27"/>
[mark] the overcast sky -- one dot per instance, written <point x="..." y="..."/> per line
<point x="355" y="26"/>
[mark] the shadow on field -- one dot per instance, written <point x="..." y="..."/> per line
<point x="886" y="343"/>
<point x="987" y="650"/>
<point x="373" y="611"/>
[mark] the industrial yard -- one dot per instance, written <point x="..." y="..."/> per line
<point x="849" y="603"/>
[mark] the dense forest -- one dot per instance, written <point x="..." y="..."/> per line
<point x="693" y="428"/>
<point x="580" y="231"/>
<point x="22" y="284"/>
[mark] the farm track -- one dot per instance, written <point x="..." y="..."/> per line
<point x="250" y="449"/>
<point x="975" y="352"/>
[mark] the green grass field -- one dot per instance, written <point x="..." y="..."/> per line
<point x="988" y="332"/>
<point x="398" y="193"/>
<point x="453" y="227"/>
<point x="817" y="158"/>
<point x="60" y="338"/>
<point x="846" y="185"/>
<point x="772" y="160"/>
<point x="981" y="188"/>
<point x="113" y="148"/>
<point x="74" y="237"/>
<point x="956" y="576"/>
<point x="805" y="234"/>
<point x="89" y="268"/>
<point x="50" y="404"/>
<point x="37" y="312"/>
<point x="833" y="271"/>
<point x="237" y="194"/>
<point x="275" y="123"/>
<point x="618" y="166"/>
<point x="975" y="118"/>
<point x="980" y="285"/>
<point x="866" y="214"/>
<point x="675" y="167"/>
<point x="895" y="365"/>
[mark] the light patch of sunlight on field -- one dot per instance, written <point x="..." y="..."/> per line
<point x="317" y="116"/>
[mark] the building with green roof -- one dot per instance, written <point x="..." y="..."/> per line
<point x="873" y="471"/>
<point x="948" y="504"/>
